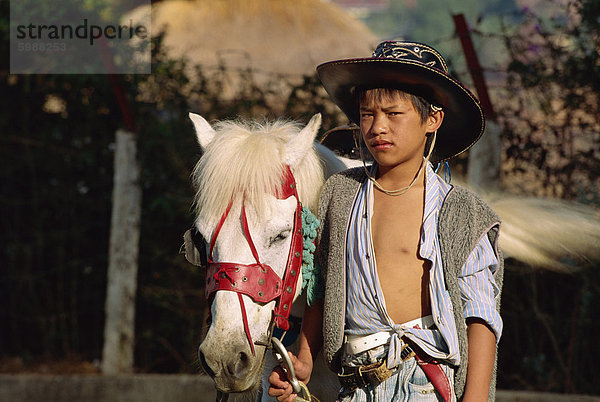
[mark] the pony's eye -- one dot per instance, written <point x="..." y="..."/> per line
<point x="279" y="238"/>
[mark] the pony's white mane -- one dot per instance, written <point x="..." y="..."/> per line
<point x="245" y="158"/>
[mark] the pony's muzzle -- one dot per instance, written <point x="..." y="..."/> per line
<point x="230" y="371"/>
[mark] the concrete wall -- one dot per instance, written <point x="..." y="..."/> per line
<point x="80" y="388"/>
<point x="160" y="388"/>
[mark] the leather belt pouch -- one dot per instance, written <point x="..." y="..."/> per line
<point x="434" y="372"/>
<point x="360" y="376"/>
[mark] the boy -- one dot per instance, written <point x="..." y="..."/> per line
<point x="411" y="266"/>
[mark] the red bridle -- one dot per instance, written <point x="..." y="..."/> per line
<point x="259" y="281"/>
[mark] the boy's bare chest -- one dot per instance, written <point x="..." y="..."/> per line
<point x="396" y="226"/>
<point x="403" y="275"/>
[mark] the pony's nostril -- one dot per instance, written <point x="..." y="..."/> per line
<point x="204" y="364"/>
<point x="240" y="365"/>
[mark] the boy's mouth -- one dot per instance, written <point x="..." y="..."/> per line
<point x="381" y="145"/>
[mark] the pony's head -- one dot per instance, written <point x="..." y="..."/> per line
<point x="245" y="216"/>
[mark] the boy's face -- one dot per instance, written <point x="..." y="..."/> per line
<point x="393" y="130"/>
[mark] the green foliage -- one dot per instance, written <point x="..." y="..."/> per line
<point x="549" y="108"/>
<point x="546" y="344"/>
<point x="430" y="21"/>
<point x="55" y="197"/>
<point x="552" y="100"/>
<point x="56" y="166"/>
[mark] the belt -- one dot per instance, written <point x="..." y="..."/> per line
<point x="376" y="373"/>
<point x="356" y="344"/>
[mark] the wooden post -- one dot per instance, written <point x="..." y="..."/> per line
<point x="119" y="324"/>
<point x="119" y="328"/>
<point x="486" y="155"/>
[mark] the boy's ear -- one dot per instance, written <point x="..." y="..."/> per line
<point x="434" y="121"/>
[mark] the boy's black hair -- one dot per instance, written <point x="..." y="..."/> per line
<point x="422" y="106"/>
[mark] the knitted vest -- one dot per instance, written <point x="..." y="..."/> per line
<point x="461" y="209"/>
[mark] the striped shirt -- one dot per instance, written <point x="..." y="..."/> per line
<point x="365" y="305"/>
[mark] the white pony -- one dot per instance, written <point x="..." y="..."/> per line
<point x="238" y="179"/>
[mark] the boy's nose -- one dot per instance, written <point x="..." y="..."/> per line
<point x="379" y="125"/>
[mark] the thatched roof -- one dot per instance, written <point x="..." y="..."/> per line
<point x="276" y="36"/>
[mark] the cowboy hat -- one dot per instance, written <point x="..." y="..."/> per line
<point x="415" y="68"/>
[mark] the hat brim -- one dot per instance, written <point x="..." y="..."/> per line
<point x="464" y="120"/>
<point x="340" y="139"/>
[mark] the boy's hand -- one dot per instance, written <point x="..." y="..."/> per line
<point x="280" y="387"/>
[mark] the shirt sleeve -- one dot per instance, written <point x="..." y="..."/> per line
<point x="478" y="288"/>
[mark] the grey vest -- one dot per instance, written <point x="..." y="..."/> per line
<point x="461" y="209"/>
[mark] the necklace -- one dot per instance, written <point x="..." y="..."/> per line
<point x="402" y="190"/>
<point x="398" y="191"/>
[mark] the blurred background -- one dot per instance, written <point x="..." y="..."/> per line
<point x="540" y="62"/>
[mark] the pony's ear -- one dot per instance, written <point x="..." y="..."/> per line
<point x="298" y="146"/>
<point x="204" y="132"/>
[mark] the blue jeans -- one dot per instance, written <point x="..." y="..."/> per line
<point x="408" y="383"/>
